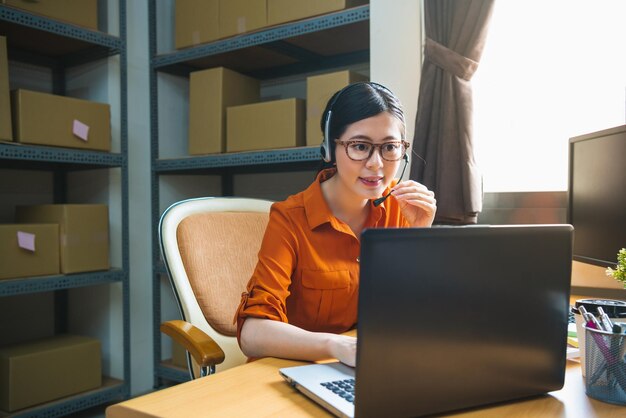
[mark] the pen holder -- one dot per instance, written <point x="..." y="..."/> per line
<point x="605" y="362"/>
<point x="615" y="309"/>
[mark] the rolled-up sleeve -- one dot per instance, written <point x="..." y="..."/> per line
<point x="268" y="288"/>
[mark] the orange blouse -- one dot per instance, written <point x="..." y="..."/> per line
<point x="308" y="268"/>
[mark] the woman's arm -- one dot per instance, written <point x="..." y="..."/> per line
<point x="266" y="337"/>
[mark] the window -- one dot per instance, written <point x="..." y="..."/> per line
<point x="550" y="70"/>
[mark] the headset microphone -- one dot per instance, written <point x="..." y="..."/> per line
<point x="380" y="200"/>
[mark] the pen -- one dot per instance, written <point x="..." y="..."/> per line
<point x="606" y="321"/>
<point x="590" y="319"/>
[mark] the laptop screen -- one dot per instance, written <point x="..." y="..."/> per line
<point x="454" y="317"/>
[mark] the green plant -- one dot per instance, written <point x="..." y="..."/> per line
<point x="619" y="273"/>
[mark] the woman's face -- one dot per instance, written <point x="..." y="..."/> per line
<point x="368" y="179"/>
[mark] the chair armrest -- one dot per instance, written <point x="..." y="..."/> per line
<point x="204" y="350"/>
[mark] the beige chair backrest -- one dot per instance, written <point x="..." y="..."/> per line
<point x="210" y="248"/>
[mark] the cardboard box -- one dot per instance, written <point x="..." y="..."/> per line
<point x="210" y="93"/>
<point x="195" y="22"/>
<point x="83" y="233"/>
<point x="5" y="101"/>
<point x="241" y="16"/>
<point x="281" y="11"/>
<point x="268" y="125"/>
<point x="77" y="12"/>
<point x="48" y="369"/>
<point x="319" y="89"/>
<point x="17" y="261"/>
<point x="48" y="119"/>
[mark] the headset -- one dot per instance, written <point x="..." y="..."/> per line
<point x="325" y="147"/>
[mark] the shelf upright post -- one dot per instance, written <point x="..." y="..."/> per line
<point x="125" y="204"/>
<point x="154" y="181"/>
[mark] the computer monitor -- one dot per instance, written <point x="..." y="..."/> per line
<point x="597" y="195"/>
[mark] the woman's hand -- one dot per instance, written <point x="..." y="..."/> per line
<point x="343" y="348"/>
<point x="417" y="203"/>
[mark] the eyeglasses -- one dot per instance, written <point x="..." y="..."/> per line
<point x="362" y="150"/>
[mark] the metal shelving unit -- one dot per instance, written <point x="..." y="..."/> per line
<point x="15" y="155"/>
<point x="329" y="41"/>
<point x="12" y="287"/>
<point x="40" y="41"/>
<point x="241" y="160"/>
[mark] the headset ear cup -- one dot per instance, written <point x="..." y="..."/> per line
<point x="325" y="148"/>
<point x="324" y="152"/>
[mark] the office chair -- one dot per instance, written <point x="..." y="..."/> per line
<point x="210" y="247"/>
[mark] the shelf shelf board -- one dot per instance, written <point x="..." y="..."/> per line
<point x="40" y="40"/>
<point x="111" y="390"/>
<point x="317" y="43"/>
<point x="250" y="161"/>
<point x="11" y="287"/>
<point x="167" y="370"/>
<point x="21" y="156"/>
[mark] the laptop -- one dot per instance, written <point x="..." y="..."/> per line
<point x="452" y="318"/>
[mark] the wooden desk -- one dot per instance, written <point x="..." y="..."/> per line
<point x="256" y="390"/>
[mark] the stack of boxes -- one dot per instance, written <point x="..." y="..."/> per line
<point x="76" y="12"/>
<point x="225" y="114"/>
<point x="200" y="21"/>
<point x="283" y="11"/>
<point x="52" y="239"/>
<point x="83" y="233"/>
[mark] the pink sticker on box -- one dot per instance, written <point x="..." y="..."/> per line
<point x="26" y="240"/>
<point x="80" y="130"/>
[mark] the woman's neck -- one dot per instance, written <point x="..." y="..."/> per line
<point x="344" y="204"/>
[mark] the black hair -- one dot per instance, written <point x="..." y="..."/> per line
<point x="354" y="103"/>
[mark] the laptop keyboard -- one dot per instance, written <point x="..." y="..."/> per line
<point x="343" y="388"/>
<point x="570" y="316"/>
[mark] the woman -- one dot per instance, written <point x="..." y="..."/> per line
<point x="304" y="290"/>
